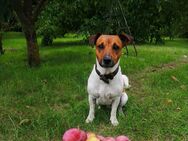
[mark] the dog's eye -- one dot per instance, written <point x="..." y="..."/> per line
<point x="101" y="46"/>
<point x="115" y="47"/>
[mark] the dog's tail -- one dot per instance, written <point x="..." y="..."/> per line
<point x="125" y="82"/>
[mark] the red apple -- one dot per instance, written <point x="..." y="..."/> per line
<point x="101" y="138"/>
<point x="74" y="134"/>
<point x="122" y="138"/>
<point x="109" y="139"/>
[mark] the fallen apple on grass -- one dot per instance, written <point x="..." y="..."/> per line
<point x="74" y="134"/>
<point x="122" y="138"/>
<point x="92" y="137"/>
<point x="109" y="139"/>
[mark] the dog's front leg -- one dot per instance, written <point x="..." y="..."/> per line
<point x="91" y="115"/>
<point x="113" y="117"/>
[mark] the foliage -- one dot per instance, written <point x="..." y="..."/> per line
<point x="181" y="20"/>
<point x="47" y="26"/>
<point x="58" y="18"/>
<point x="147" y="20"/>
<point x="4" y="10"/>
<point x="8" y="18"/>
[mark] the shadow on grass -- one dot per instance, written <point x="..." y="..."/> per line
<point x="13" y="35"/>
<point x="59" y="57"/>
<point x="69" y="43"/>
<point x="67" y="57"/>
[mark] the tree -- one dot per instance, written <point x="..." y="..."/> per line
<point x="27" y="12"/>
<point x="1" y="44"/>
<point x="181" y="22"/>
<point x="48" y="24"/>
<point x="4" y="9"/>
<point x="148" y="21"/>
<point x="60" y="17"/>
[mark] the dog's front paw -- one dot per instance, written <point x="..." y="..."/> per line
<point x="89" y="119"/>
<point x="114" y="121"/>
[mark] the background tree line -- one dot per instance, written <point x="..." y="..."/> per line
<point x="148" y="21"/>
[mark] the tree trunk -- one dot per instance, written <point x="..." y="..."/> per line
<point x="1" y="45"/>
<point x="32" y="48"/>
<point x="27" y="13"/>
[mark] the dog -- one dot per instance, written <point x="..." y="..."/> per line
<point x="106" y="82"/>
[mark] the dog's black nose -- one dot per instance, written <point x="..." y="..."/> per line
<point x="107" y="59"/>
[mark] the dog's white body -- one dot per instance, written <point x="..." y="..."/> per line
<point x="102" y="93"/>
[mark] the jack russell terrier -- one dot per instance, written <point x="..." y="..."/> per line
<point x="106" y="82"/>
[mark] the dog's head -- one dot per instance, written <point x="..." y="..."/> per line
<point x="109" y="47"/>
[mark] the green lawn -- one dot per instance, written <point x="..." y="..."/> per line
<point x="41" y="103"/>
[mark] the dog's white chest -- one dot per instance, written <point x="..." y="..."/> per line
<point x="105" y="93"/>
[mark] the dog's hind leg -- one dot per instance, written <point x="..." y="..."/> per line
<point x="123" y="101"/>
<point x="126" y="84"/>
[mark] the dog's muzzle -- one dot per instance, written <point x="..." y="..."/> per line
<point x="107" y="62"/>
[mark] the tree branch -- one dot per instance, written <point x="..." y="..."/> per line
<point x="18" y="7"/>
<point x="38" y="9"/>
<point x="27" y="8"/>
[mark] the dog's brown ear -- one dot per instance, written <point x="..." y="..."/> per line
<point x="93" y="38"/>
<point x="126" y="39"/>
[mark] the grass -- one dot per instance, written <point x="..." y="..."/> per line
<point x="41" y="103"/>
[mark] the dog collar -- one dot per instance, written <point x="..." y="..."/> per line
<point x="106" y="77"/>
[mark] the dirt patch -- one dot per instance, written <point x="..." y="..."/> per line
<point x="168" y="66"/>
<point x="162" y="67"/>
<point x="137" y="79"/>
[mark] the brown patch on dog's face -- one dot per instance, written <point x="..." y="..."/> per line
<point x="108" y="50"/>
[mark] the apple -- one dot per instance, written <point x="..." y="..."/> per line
<point x="74" y="134"/>
<point x="101" y="138"/>
<point x="109" y="139"/>
<point x="91" y="134"/>
<point x="93" y="138"/>
<point x="122" y="138"/>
